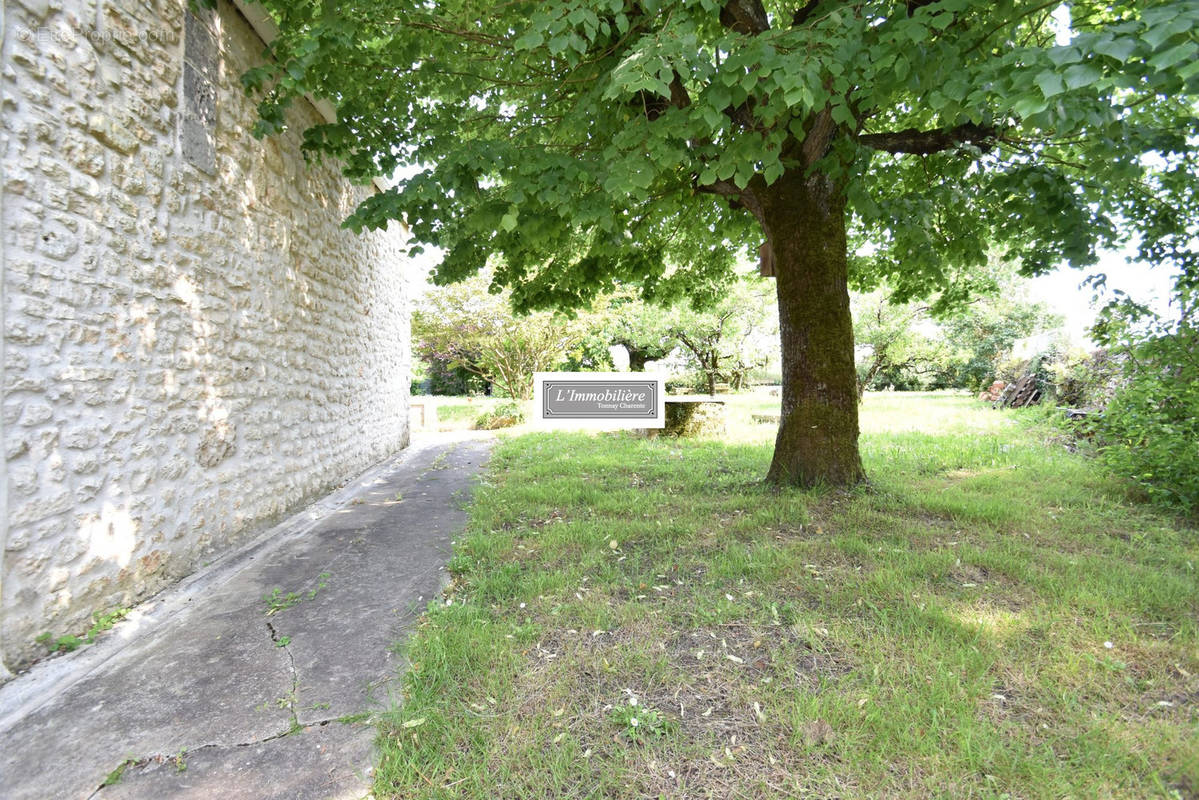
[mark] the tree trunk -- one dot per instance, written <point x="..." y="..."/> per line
<point x="817" y="443"/>
<point x="711" y="383"/>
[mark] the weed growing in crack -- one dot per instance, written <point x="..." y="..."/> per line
<point x="278" y="600"/>
<point x="286" y="702"/>
<point x="322" y="581"/>
<point x="114" y="777"/>
<point x="440" y="461"/>
<point x="100" y="622"/>
<point x="283" y="641"/>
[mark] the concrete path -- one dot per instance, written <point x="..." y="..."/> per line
<point x="210" y="691"/>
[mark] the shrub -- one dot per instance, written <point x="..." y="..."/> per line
<point x="504" y="415"/>
<point x="1086" y="381"/>
<point x="1150" y="428"/>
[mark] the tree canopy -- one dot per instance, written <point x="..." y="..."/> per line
<point x="586" y="144"/>
<point x="574" y="137"/>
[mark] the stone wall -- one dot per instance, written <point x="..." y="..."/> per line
<point x="192" y="346"/>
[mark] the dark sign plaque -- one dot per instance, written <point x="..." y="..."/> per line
<point x="599" y="399"/>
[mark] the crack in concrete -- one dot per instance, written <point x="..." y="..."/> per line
<point x="131" y="763"/>
<point x="293" y="698"/>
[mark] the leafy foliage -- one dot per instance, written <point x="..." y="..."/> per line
<point x="897" y="342"/>
<point x="735" y="336"/>
<point x="599" y="142"/>
<point x="432" y="375"/>
<point x="642" y="328"/>
<point x="1150" y="429"/>
<point x="984" y="330"/>
<point x="937" y="344"/>
<point x="504" y="415"/>
<point x="470" y="327"/>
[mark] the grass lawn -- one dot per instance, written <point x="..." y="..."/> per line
<point x="993" y="618"/>
<point x="456" y="413"/>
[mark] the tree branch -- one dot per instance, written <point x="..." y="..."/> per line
<point x="801" y="14"/>
<point x="815" y="144"/>
<point x="721" y="188"/>
<point x="745" y="16"/>
<point x="917" y="142"/>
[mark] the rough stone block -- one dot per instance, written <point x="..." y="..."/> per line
<point x="112" y="133"/>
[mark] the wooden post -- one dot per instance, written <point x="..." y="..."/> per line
<point x="766" y="260"/>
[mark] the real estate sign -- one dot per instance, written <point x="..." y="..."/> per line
<point x="599" y="399"/>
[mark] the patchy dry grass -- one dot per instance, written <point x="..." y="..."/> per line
<point x="993" y="618"/>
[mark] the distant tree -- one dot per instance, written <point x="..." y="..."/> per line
<point x="945" y="342"/>
<point x="730" y="339"/>
<point x="895" y="339"/>
<point x="984" y="331"/>
<point x="642" y="328"/>
<point x="468" y="325"/>
<point x="436" y="375"/>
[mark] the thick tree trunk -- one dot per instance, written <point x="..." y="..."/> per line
<point x="817" y="442"/>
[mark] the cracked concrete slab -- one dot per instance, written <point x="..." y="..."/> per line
<point x="245" y="680"/>
<point x="327" y="762"/>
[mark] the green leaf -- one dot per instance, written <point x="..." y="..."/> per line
<point x="773" y="172"/>
<point x="941" y="21"/>
<point x="713" y="118"/>
<point x="1189" y="70"/>
<point x="1064" y="55"/>
<point x="529" y="41"/>
<point x="1166" y="59"/>
<point x="1081" y="75"/>
<point x="1050" y="83"/>
<point x="1158" y="34"/>
<point x="1029" y="104"/>
<point x="843" y="116"/>
<point x="1119" y="49"/>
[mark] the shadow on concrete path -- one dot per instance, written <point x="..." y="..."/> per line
<point x="212" y="691"/>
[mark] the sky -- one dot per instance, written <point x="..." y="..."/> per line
<point x="1061" y="290"/>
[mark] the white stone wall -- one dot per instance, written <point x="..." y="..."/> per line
<point x="187" y="356"/>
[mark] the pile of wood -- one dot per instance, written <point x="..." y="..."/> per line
<point x="1022" y="393"/>
<point x="992" y="393"/>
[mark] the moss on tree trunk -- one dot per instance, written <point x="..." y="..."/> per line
<point x="817" y="441"/>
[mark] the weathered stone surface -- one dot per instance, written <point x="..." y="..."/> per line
<point x="692" y="418"/>
<point x="111" y="133"/>
<point x="189" y="353"/>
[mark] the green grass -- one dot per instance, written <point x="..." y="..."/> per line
<point x="458" y="413"/>
<point x="993" y="618"/>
